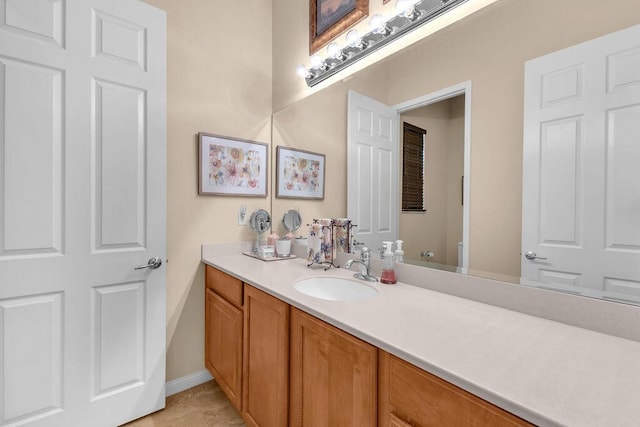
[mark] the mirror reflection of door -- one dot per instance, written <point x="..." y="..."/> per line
<point x="581" y="179"/>
<point x="431" y="222"/>
<point x="374" y="172"/>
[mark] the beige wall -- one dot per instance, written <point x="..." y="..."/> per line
<point x="219" y="81"/>
<point x="439" y="229"/>
<point x="489" y="48"/>
<point x="318" y="124"/>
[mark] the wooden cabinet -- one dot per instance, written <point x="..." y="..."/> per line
<point x="247" y="348"/>
<point x="280" y="366"/>
<point x="265" y="381"/>
<point x="223" y="333"/>
<point x="409" y="396"/>
<point x="333" y="375"/>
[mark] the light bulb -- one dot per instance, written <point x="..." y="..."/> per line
<point x="401" y="5"/>
<point x="378" y="25"/>
<point x="407" y="8"/>
<point x="353" y="38"/>
<point x="334" y="50"/>
<point x="301" y="71"/>
<point x="315" y="61"/>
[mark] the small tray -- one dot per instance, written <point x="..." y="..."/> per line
<point x="269" y="258"/>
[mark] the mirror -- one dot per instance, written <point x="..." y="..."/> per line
<point x="489" y="49"/>
<point x="291" y="220"/>
<point x="260" y="221"/>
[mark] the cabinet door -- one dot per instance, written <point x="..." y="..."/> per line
<point x="265" y="382"/>
<point x="333" y="375"/>
<point x="223" y="345"/>
<point x="410" y="396"/>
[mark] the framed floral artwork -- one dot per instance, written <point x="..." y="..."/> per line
<point x="300" y="174"/>
<point x="329" y="18"/>
<point x="231" y="166"/>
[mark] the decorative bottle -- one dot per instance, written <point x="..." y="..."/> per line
<point x="388" y="273"/>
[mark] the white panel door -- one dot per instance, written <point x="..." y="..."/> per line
<point x="82" y="202"/>
<point x="372" y="170"/>
<point x="581" y="183"/>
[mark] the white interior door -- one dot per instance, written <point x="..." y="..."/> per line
<point x="581" y="183"/>
<point x="372" y="170"/>
<point x="82" y="202"/>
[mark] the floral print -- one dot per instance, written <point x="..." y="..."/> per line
<point x="233" y="167"/>
<point x="301" y="174"/>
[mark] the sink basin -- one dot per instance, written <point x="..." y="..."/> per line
<point x="335" y="289"/>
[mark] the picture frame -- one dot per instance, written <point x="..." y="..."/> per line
<point x="328" y="18"/>
<point x="230" y="166"/>
<point x="300" y="174"/>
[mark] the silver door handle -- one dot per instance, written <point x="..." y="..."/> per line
<point x="530" y="255"/>
<point x="153" y="263"/>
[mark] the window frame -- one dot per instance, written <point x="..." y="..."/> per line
<point x="413" y="157"/>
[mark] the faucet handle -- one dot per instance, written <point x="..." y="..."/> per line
<point x="365" y="253"/>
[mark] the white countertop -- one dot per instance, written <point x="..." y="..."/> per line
<point x="546" y="372"/>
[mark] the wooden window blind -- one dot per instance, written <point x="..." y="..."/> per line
<point x="413" y="168"/>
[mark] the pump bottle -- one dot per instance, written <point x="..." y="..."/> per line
<point x="399" y="252"/>
<point x="388" y="273"/>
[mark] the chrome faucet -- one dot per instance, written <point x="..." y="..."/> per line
<point x="364" y="263"/>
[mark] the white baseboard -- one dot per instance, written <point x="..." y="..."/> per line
<point x="186" y="382"/>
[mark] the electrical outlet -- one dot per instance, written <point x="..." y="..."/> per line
<point x="242" y="215"/>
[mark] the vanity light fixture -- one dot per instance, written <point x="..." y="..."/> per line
<point x="410" y="15"/>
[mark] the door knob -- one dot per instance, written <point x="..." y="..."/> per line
<point x="153" y="263"/>
<point x="530" y="255"/>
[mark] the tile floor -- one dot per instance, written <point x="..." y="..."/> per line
<point x="203" y="406"/>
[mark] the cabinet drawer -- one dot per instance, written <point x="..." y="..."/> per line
<point x="224" y="285"/>
<point x="410" y="396"/>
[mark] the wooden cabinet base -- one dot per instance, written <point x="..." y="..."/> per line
<point x="409" y="396"/>
<point x="280" y="366"/>
<point x="333" y="375"/>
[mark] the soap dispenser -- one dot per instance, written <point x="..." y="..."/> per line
<point x="399" y="252"/>
<point x="388" y="273"/>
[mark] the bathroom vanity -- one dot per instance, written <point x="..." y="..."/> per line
<point x="406" y="356"/>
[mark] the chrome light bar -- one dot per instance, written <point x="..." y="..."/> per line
<point x="382" y="33"/>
